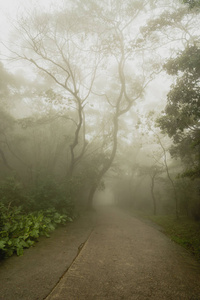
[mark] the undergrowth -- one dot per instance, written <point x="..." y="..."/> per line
<point x="19" y="230"/>
<point x="26" y="214"/>
<point x="184" y="231"/>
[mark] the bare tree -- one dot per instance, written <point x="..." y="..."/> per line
<point x="116" y="44"/>
<point x="57" y="46"/>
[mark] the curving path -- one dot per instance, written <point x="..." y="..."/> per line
<point x="125" y="258"/>
<point x="112" y="256"/>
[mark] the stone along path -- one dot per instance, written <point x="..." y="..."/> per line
<point x="124" y="258"/>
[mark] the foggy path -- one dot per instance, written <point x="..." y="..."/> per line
<point x="127" y="259"/>
<point x="99" y="107"/>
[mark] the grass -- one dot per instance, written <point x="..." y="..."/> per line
<point x="184" y="231"/>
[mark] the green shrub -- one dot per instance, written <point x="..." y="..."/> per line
<point x="26" y="215"/>
<point x="11" y="192"/>
<point x="19" y="230"/>
<point x="44" y="194"/>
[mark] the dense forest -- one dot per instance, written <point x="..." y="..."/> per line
<point x="98" y="97"/>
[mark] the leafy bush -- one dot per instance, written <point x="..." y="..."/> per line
<point x="19" y="230"/>
<point x="48" y="194"/>
<point x="11" y="192"/>
<point x="44" y="194"/>
<point x="26" y="215"/>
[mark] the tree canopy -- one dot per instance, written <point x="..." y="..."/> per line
<point x="181" y="117"/>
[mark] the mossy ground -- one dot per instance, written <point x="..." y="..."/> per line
<point x="184" y="231"/>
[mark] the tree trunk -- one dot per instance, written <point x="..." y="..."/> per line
<point x="170" y="179"/>
<point x="75" y="142"/>
<point x="152" y="194"/>
<point x="91" y="196"/>
<point x="106" y="166"/>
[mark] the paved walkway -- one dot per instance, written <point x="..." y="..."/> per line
<point x="124" y="258"/>
<point x="34" y="275"/>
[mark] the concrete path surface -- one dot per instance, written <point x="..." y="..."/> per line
<point x="124" y="258"/>
<point x="34" y="275"/>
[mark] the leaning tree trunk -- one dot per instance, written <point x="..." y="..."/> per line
<point x="152" y="194"/>
<point x="106" y="166"/>
<point x="80" y="125"/>
<point x="123" y="104"/>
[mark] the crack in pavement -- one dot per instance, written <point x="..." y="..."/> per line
<point x="80" y="248"/>
<point x="125" y="258"/>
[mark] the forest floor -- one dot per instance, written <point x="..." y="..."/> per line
<point x="104" y="255"/>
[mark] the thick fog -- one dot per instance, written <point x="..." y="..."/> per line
<point x="100" y="105"/>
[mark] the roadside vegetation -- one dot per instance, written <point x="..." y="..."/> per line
<point x="184" y="230"/>
<point x="24" y="218"/>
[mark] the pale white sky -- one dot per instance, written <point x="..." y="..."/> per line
<point x="11" y="9"/>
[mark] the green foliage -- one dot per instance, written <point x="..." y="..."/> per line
<point x="187" y="60"/>
<point x="45" y="193"/>
<point x="183" y="231"/>
<point x="192" y="3"/>
<point x="180" y="119"/>
<point x="24" y="216"/>
<point x="182" y="110"/>
<point x="166" y="20"/>
<point x="195" y="173"/>
<point x="19" y="230"/>
<point x="11" y="192"/>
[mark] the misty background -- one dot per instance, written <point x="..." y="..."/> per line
<point x="100" y="105"/>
